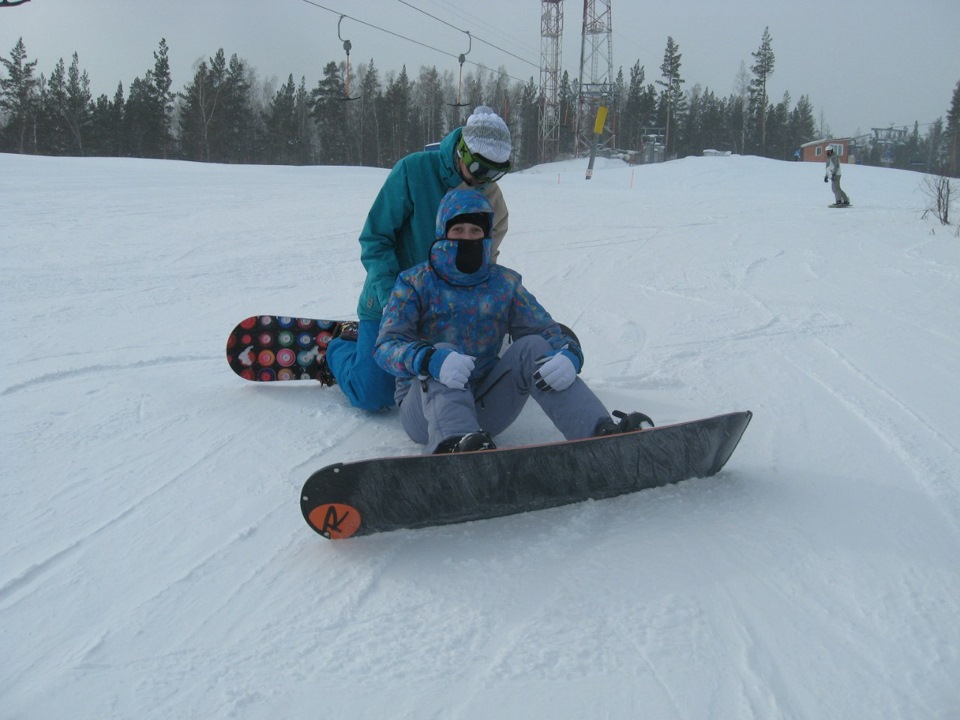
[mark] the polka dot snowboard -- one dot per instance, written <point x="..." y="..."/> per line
<point x="268" y="348"/>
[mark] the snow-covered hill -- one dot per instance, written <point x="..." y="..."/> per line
<point x="154" y="563"/>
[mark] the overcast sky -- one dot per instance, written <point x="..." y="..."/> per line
<point x="863" y="64"/>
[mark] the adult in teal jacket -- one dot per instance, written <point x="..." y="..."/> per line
<point x="399" y="231"/>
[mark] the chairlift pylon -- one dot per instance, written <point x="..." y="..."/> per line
<point x="347" y="46"/>
<point x="463" y="59"/>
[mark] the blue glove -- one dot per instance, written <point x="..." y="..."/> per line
<point x="557" y="371"/>
<point x="451" y="368"/>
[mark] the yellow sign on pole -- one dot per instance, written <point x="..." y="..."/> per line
<point x="597" y="131"/>
<point x="601" y="119"/>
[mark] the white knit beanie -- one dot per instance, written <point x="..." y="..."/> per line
<point x="487" y="134"/>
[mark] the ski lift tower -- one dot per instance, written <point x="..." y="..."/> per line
<point x="551" y="34"/>
<point x="596" y="67"/>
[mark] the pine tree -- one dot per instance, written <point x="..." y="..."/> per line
<point x="671" y="98"/>
<point x="114" y="122"/>
<point x="139" y="127"/>
<point x="803" y="126"/>
<point x="203" y="105"/>
<point x="913" y="152"/>
<point x="617" y="103"/>
<point x="18" y="96"/>
<point x="395" y="119"/>
<point x="329" y="114"/>
<point x="692" y="129"/>
<point x="762" y="70"/>
<point x="428" y="99"/>
<point x="936" y="148"/>
<point x="527" y="140"/>
<point x="632" y="120"/>
<point x="148" y="111"/>
<point x="106" y="122"/>
<point x="648" y="107"/>
<point x="497" y="94"/>
<point x="567" y="99"/>
<point x="953" y="133"/>
<point x="281" y="124"/>
<point x="52" y="132"/>
<point x="739" y="117"/>
<point x="713" y="126"/>
<point x="305" y="129"/>
<point x="474" y="85"/>
<point x="161" y="98"/>
<point x="778" y="130"/>
<point x="368" y="119"/>
<point x="79" y="104"/>
<point x="238" y="128"/>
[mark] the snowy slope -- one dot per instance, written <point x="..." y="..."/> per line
<point x="154" y="563"/>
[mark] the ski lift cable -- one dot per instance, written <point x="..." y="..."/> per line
<point x="376" y="27"/>
<point x="478" y="39"/>
<point x="518" y="45"/>
<point x="407" y="39"/>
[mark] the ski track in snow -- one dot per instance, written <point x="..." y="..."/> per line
<point x="898" y="428"/>
<point x="96" y="370"/>
<point x="155" y="563"/>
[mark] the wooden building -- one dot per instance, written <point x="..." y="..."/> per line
<point x="816" y="151"/>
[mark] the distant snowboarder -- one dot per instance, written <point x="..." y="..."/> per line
<point x="833" y="175"/>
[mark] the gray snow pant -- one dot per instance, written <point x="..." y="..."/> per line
<point x="431" y="412"/>
<point x="838" y="194"/>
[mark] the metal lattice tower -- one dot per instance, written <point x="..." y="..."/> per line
<point x="551" y="34"/>
<point x="596" y="65"/>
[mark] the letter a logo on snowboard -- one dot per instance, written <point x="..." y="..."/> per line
<point x="335" y="520"/>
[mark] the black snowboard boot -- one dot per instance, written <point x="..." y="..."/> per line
<point x="628" y="423"/>
<point x="347" y="331"/>
<point x="323" y="372"/>
<point x="466" y="443"/>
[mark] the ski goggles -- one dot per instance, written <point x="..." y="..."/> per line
<point x="481" y="169"/>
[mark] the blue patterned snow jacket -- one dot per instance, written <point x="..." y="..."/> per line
<point x="434" y="302"/>
<point x="398" y="230"/>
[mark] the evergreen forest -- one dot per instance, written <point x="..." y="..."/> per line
<point x="365" y="115"/>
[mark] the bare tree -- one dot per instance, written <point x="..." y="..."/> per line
<point x="937" y="190"/>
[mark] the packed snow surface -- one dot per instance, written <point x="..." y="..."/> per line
<point x="154" y="562"/>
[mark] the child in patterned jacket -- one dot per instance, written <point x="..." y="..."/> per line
<point x="441" y="336"/>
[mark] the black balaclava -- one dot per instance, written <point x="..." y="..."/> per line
<point x="470" y="252"/>
<point x="469" y="256"/>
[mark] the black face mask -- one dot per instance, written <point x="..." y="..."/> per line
<point x="469" y="255"/>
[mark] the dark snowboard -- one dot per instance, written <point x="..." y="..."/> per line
<point x="265" y="348"/>
<point x="370" y="496"/>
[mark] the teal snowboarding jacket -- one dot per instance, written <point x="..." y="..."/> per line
<point x="399" y="229"/>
